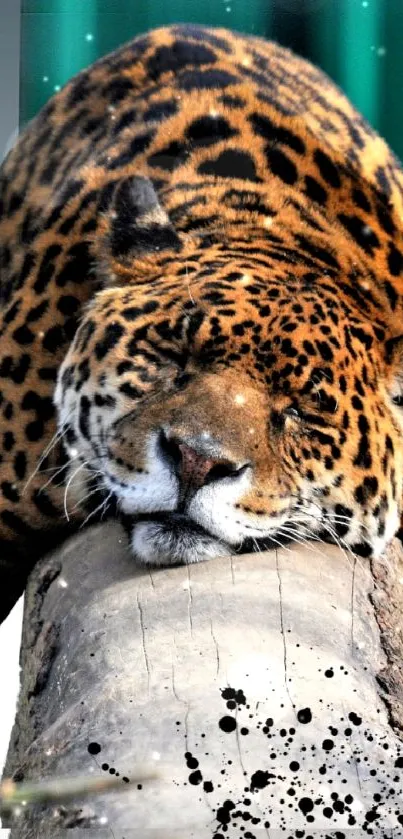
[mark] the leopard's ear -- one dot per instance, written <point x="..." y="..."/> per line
<point x="136" y="226"/>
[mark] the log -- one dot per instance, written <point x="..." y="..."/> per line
<point x="266" y="689"/>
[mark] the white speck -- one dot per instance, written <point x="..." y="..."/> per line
<point x="73" y="452"/>
<point x="56" y="88"/>
<point x="13" y="486"/>
<point x="228" y="8"/>
<point x="268" y="221"/>
<point x="367" y="230"/>
<point x="156" y="756"/>
<point x="40" y="334"/>
<point x="48" y="752"/>
<point x="113" y="117"/>
<point x="111" y="109"/>
<point x="401" y="581"/>
<point x="45" y="79"/>
<point x="89" y="36"/>
<point x="364" y="284"/>
<point x="245" y="279"/>
<point x="364" y="4"/>
<point x="62" y="583"/>
<point x="246" y="61"/>
<point x="16" y="811"/>
<point x="213" y="113"/>
<point x="251" y="431"/>
<point x="103" y="820"/>
<point x="381" y="51"/>
<point x="239" y="399"/>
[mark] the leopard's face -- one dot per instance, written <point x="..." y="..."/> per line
<point x="219" y="427"/>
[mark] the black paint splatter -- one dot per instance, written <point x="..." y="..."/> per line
<point x="227" y="724"/>
<point x="234" y="698"/>
<point x="195" y="777"/>
<point x="305" y="805"/>
<point x="224" y="813"/>
<point x="94" y="748"/>
<point x="191" y="762"/>
<point x="304" y="716"/>
<point x="260" y="779"/>
<point x="237" y="813"/>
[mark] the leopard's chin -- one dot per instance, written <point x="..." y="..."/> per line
<point x="173" y="539"/>
<point x="166" y="538"/>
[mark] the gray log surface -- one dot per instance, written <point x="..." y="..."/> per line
<point x="250" y="681"/>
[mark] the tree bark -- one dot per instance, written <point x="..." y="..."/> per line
<point x="267" y="689"/>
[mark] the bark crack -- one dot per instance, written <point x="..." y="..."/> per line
<point x="352" y="597"/>
<point x="190" y="601"/>
<point x="143" y="641"/>
<point x="232" y="570"/>
<point x="280" y="591"/>
<point x="217" y="651"/>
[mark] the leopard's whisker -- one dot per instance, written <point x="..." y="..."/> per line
<point x="69" y="482"/>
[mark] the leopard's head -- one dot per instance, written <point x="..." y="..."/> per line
<point x="223" y="408"/>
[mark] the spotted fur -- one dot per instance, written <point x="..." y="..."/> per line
<point x="201" y="266"/>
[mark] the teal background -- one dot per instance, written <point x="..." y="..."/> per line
<point x="358" y="42"/>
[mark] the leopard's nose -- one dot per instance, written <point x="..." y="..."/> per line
<point x="194" y="461"/>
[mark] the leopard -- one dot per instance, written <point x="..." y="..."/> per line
<point x="201" y="265"/>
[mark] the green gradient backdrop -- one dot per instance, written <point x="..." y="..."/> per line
<point x="358" y="42"/>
